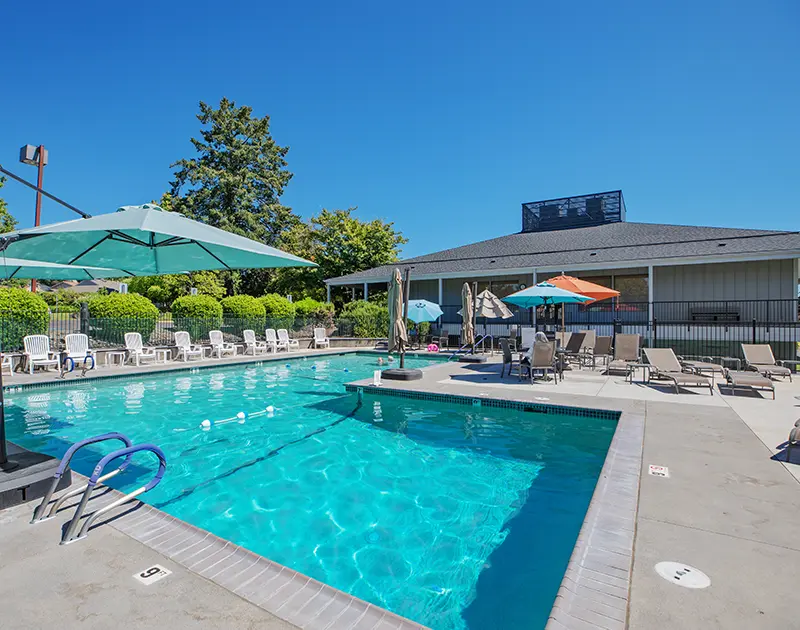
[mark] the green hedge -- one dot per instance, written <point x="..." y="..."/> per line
<point x="365" y="318"/>
<point x="242" y="312"/>
<point x="196" y="314"/>
<point x="21" y="313"/>
<point x="112" y="315"/>
<point x="280" y="311"/>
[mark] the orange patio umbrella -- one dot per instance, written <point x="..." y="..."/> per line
<point x="582" y="287"/>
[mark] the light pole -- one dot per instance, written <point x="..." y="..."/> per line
<point x="35" y="156"/>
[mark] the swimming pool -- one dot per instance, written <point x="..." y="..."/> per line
<point x="454" y="516"/>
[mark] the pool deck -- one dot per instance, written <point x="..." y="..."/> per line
<point x="730" y="507"/>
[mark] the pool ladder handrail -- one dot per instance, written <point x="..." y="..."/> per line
<point x="478" y="342"/>
<point x="38" y="514"/>
<point x="69" y="533"/>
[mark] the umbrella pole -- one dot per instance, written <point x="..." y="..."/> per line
<point x="5" y="464"/>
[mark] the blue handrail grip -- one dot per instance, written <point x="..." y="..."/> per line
<point x="97" y="438"/>
<point x="129" y="451"/>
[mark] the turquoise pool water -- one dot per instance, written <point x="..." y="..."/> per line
<point x="454" y="516"/>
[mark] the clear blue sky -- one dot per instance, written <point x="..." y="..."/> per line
<point x="440" y="116"/>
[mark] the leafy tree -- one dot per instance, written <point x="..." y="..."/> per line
<point x="237" y="177"/>
<point x="167" y="288"/>
<point x="7" y="222"/>
<point x="340" y="244"/>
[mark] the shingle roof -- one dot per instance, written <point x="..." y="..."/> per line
<point x="631" y="243"/>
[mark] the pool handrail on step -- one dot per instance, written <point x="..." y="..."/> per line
<point x="478" y="342"/>
<point x="69" y="533"/>
<point x="38" y="514"/>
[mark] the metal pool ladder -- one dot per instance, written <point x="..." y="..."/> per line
<point x="96" y="479"/>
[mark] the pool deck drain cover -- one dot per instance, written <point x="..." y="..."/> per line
<point x="683" y="575"/>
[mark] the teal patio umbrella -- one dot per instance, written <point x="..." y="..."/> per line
<point x="144" y="240"/>
<point x="423" y="311"/>
<point x="138" y="240"/>
<point x="544" y="294"/>
<point x="18" y="269"/>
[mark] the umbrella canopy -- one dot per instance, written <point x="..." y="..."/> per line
<point x="491" y="307"/>
<point x="583" y="287"/>
<point x="467" y="313"/>
<point x="398" y="336"/>
<point x="423" y="311"/>
<point x="11" y="268"/>
<point x="544" y="293"/>
<point x="149" y="241"/>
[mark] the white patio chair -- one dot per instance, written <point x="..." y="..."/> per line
<point x="137" y="351"/>
<point x="285" y="341"/>
<point x="272" y="340"/>
<point x="77" y="349"/>
<point x="220" y="346"/>
<point x="7" y="362"/>
<point x="37" y="352"/>
<point x="185" y="346"/>
<point x="252" y="344"/>
<point x="320" y="339"/>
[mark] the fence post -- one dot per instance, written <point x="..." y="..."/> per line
<point x="616" y="330"/>
<point x="84" y="318"/>
<point x="655" y="333"/>
<point x="754" y="330"/>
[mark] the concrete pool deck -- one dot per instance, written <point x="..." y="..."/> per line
<point x="730" y="508"/>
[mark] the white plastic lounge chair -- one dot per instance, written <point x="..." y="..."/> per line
<point x="7" y="362"/>
<point x="219" y="346"/>
<point x="252" y="345"/>
<point x="185" y="346"/>
<point x="320" y="339"/>
<point x="526" y="337"/>
<point x="77" y="349"/>
<point x="272" y="341"/>
<point x="759" y="357"/>
<point x="137" y="351"/>
<point x="665" y="365"/>
<point x="283" y="339"/>
<point x="37" y="352"/>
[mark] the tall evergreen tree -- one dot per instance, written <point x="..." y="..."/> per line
<point x="237" y="177"/>
<point x="7" y="221"/>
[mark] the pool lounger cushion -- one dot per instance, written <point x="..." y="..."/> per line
<point x="749" y="379"/>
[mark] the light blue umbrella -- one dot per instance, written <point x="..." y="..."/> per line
<point x="423" y="311"/>
<point x="544" y="294"/>
<point x="15" y="268"/>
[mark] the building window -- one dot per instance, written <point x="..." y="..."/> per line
<point x="631" y="288"/>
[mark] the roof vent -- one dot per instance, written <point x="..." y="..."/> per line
<point x="721" y="244"/>
<point x="593" y="254"/>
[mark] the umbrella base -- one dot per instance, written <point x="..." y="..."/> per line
<point x="402" y="374"/>
<point x="31" y="479"/>
<point x="471" y="358"/>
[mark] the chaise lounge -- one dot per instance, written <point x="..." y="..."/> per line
<point x="665" y="365"/>
<point x="759" y="357"/>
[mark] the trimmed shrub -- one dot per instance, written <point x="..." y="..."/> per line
<point x="61" y="300"/>
<point x="112" y="315"/>
<point x="242" y="312"/>
<point x="196" y="314"/>
<point x="364" y="319"/>
<point x="280" y="311"/>
<point x="21" y="313"/>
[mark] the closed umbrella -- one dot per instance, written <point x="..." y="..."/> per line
<point x="139" y="240"/>
<point x="397" y="327"/>
<point x="467" y="313"/>
<point x="145" y="240"/>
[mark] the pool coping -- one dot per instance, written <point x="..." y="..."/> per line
<point x="595" y="589"/>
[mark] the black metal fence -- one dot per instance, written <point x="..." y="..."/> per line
<point x="702" y="328"/>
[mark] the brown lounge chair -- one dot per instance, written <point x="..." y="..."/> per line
<point x="626" y="350"/>
<point x="665" y="365"/>
<point x="601" y="351"/>
<point x="509" y="360"/>
<point x="748" y="379"/>
<point x="759" y="357"/>
<point x="703" y="366"/>
<point x="543" y="359"/>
